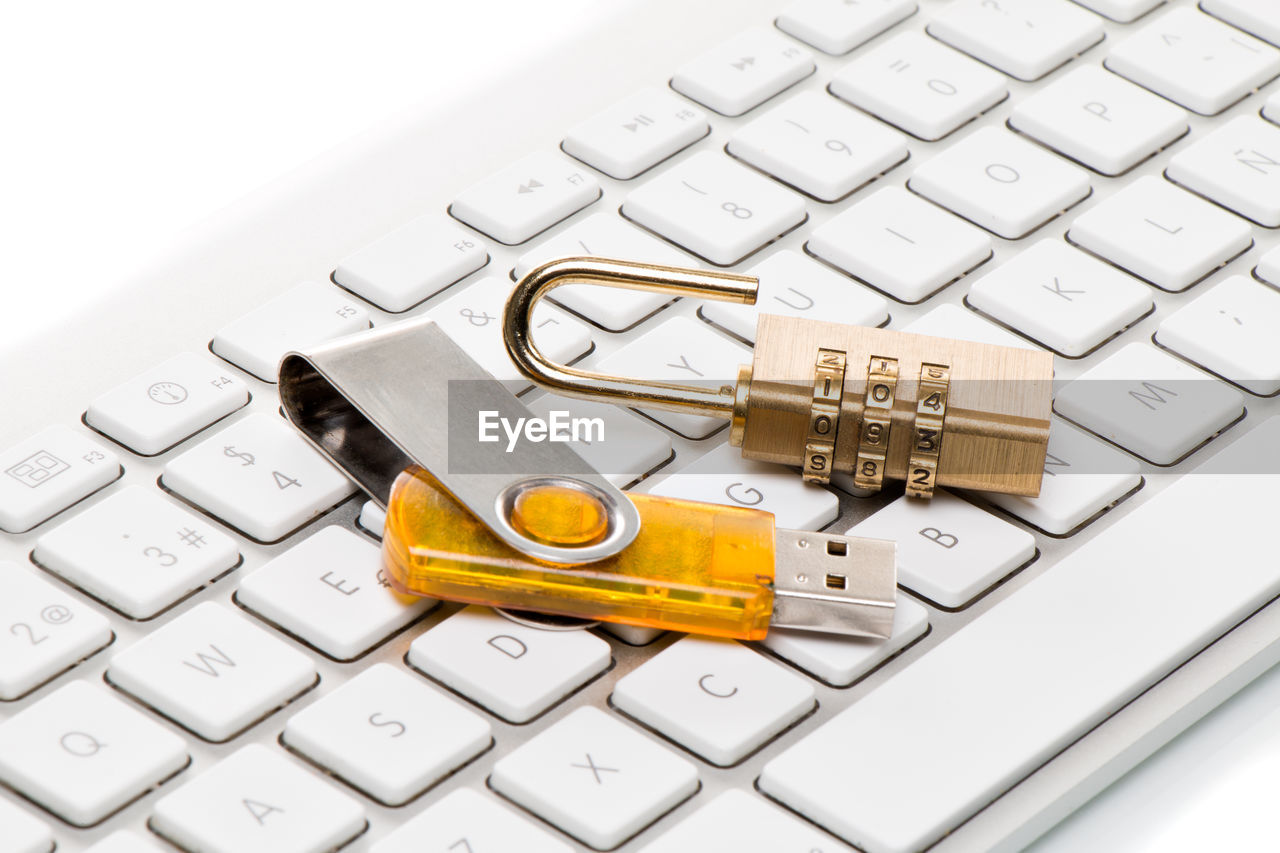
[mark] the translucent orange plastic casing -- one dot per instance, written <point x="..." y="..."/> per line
<point x="696" y="567"/>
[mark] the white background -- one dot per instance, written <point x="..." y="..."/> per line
<point x="126" y="123"/>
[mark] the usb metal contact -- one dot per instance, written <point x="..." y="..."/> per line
<point x="835" y="584"/>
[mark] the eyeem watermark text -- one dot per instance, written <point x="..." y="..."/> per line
<point x="559" y="426"/>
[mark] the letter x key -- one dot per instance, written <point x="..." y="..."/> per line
<point x="595" y="769"/>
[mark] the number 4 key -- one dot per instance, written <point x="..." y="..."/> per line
<point x="283" y="481"/>
<point x="257" y="497"/>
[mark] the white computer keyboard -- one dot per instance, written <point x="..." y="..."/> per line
<point x="198" y="647"/>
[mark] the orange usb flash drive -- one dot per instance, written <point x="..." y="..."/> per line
<point x="696" y="567"/>
<point x="538" y="529"/>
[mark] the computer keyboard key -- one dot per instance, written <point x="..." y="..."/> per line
<point x="1260" y="17"/>
<point x="632" y="635"/>
<point x="1271" y="109"/>
<point x="794" y="286"/>
<point x="47" y="473"/>
<point x="259" y="476"/>
<point x="467" y="820"/>
<point x="45" y="631"/>
<point x="417" y="260"/>
<point x="1160" y="233"/>
<point x="605" y="235"/>
<point x="1099" y="119"/>
<point x="952" y="321"/>
<point x="303" y="316"/>
<point x="22" y="832"/>
<point x="837" y="26"/>
<point x="1150" y="403"/>
<point x="716" y="698"/>
<point x="372" y="519"/>
<point x="526" y="198"/>
<point x="1237" y="166"/>
<point x="1025" y="39"/>
<point x="257" y="800"/>
<point x="1269" y="267"/>
<point x="919" y="85"/>
<point x="83" y="754"/>
<point x="330" y="591"/>
<point x="1231" y="331"/>
<point x="137" y="552"/>
<point x="212" y="672"/>
<point x="627" y="448"/>
<point x="718" y="209"/>
<point x="388" y="734"/>
<point x="1014" y="682"/>
<point x="473" y="318"/>
<point x="819" y="146"/>
<point x="1082" y="477"/>
<point x="841" y="661"/>
<point x="594" y="777"/>
<point x="949" y="550"/>
<point x="738" y="821"/>
<point x="512" y="670"/>
<point x="1001" y="182"/>
<point x="124" y="841"/>
<point x="900" y="244"/>
<point x="636" y="134"/>
<point x="743" y="72"/>
<point x="1195" y="60"/>
<point x="1061" y="297"/>
<point x="1123" y="11"/>
<point x="167" y="404"/>
<point x="684" y="351"/>
<point x="724" y="477"/>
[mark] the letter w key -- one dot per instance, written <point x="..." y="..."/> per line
<point x="213" y="671"/>
<point x="208" y="663"/>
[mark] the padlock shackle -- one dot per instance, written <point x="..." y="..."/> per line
<point x="629" y="391"/>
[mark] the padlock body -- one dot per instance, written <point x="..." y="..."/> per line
<point x="695" y="567"/>
<point x="996" y="428"/>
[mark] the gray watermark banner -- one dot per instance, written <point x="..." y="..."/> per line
<point x="1098" y="428"/>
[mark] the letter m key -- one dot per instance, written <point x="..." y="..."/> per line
<point x="1153" y="395"/>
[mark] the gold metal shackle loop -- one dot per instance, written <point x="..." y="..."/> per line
<point x="586" y="384"/>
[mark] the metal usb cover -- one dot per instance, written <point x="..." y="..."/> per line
<point x="375" y="403"/>
<point x="378" y="401"/>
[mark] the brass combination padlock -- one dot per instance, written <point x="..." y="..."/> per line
<point x="829" y="397"/>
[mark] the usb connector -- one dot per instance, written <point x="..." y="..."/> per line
<point x="835" y="584"/>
